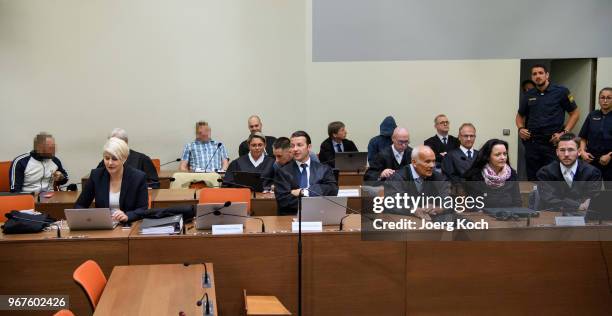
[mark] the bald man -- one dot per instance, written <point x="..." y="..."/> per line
<point x="391" y="158"/>
<point x="420" y="178"/>
<point x="255" y="126"/>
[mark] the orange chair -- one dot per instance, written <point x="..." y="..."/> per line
<point x="64" y="312"/>
<point x="5" y="167"/>
<point x="222" y="195"/>
<point x="17" y="202"/>
<point x="89" y="276"/>
<point x="156" y="163"/>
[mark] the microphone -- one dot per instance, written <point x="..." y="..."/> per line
<point x="206" y="281"/>
<point x="238" y="185"/>
<point x="217" y="212"/>
<point x="12" y="216"/>
<point x="207" y="305"/>
<point x="212" y="156"/>
<point x="171" y="161"/>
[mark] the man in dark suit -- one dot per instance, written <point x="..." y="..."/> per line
<point x="442" y="142"/>
<point x="568" y="184"/>
<point x="419" y="178"/>
<point x="255" y="126"/>
<point x="302" y="176"/>
<point x="391" y="157"/>
<point x="335" y="143"/>
<point x="459" y="160"/>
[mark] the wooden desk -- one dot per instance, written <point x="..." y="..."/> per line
<point x="172" y="197"/>
<point x="350" y="178"/>
<point x="42" y="264"/>
<point x="165" y="289"/>
<point x="56" y="204"/>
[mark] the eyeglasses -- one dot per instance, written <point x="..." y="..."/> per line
<point x="403" y="142"/>
<point x="567" y="150"/>
<point x="443" y="123"/>
<point x="468" y="136"/>
<point x="608" y="98"/>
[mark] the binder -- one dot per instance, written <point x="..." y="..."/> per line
<point x="166" y="225"/>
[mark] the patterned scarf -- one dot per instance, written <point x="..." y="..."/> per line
<point x="493" y="179"/>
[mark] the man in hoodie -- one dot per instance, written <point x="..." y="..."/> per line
<point x="382" y="141"/>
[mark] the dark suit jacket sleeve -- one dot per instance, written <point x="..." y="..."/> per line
<point x="140" y="202"/>
<point x="268" y="175"/>
<point x="282" y="191"/>
<point x="431" y="142"/>
<point x="243" y="149"/>
<point x="448" y="168"/>
<point x="149" y="169"/>
<point x="326" y="184"/>
<point x="349" y="145"/>
<point x="88" y="194"/>
<point x="516" y="190"/>
<point x="326" y="152"/>
<point x="229" y="173"/>
<point x="376" y="167"/>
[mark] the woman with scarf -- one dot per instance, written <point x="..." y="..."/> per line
<point x="492" y="177"/>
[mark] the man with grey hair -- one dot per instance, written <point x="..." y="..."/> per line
<point x="390" y="158"/>
<point x="420" y="178"/>
<point x="255" y="126"/>
<point x="39" y="170"/>
<point x="137" y="160"/>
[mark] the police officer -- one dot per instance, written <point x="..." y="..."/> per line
<point x="540" y="119"/>
<point x="596" y="137"/>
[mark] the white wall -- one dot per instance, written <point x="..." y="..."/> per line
<point x="604" y="76"/>
<point x="79" y="68"/>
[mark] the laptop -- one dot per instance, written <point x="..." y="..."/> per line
<point x="249" y="179"/>
<point x="319" y="209"/>
<point x="90" y="218"/>
<point x="235" y="213"/>
<point x="351" y="161"/>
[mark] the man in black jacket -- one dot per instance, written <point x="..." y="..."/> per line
<point x="302" y="176"/>
<point x="335" y="143"/>
<point x="459" y="160"/>
<point x="137" y="160"/>
<point x="568" y="184"/>
<point x="442" y="142"/>
<point x="391" y="157"/>
<point x="255" y="126"/>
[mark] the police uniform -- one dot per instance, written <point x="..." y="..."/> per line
<point x="597" y="131"/>
<point x="544" y="113"/>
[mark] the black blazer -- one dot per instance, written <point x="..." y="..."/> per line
<point x="456" y="163"/>
<point x="556" y="194"/>
<point x="243" y="163"/>
<point x="243" y="149"/>
<point x="327" y="154"/>
<point x="403" y="182"/>
<point x="438" y="147"/>
<point x="321" y="181"/>
<point x="134" y="195"/>
<point x="143" y="163"/>
<point x="509" y="195"/>
<point x="386" y="160"/>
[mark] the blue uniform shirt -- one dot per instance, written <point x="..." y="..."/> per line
<point x="597" y="130"/>
<point x="545" y="111"/>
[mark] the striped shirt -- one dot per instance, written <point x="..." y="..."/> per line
<point x="198" y="154"/>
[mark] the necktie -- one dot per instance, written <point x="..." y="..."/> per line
<point x="304" y="176"/>
<point x="419" y="184"/>
<point x="444" y="140"/>
<point x="569" y="177"/>
<point x="338" y="148"/>
<point x="469" y="154"/>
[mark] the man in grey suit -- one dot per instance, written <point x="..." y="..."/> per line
<point x="302" y="176"/>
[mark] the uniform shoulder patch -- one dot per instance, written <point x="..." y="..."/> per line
<point x="570" y="97"/>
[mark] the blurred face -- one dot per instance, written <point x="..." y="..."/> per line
<point x="203" y="133"/>
<point x="425" y="162"/>
<point x="254" y="125"/>
<point x="401" y="140"/>
<point x="341" y="135"/>
<point x="300" y="149"/>
<point x="567" y="152"/>
<point x="442" y="125"/>
<point x="499" y="157"/>
<point x="467" y="136"/>
<point x="539" y="76"/>
<point x="256" y="147"/>
<point x="605" y="100"/>
<point x="46" y="148"/>
<point x="528" y="86"/>
<point x="112" y="164"/>
<point x="283" y="156"/>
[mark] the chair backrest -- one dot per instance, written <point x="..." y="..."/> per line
<point x="92" y="279"/>
<point x="16" y="202"/>
<point x="156" y="163"/>
<point x="222" y="195"/>
<point x="64" y="312"/>
<point x="5" y="167"/>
